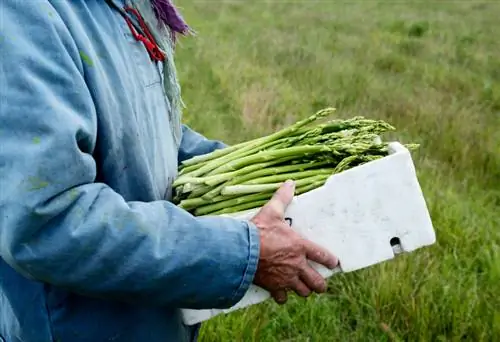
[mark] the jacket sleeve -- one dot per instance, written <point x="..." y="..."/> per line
<point x="194" y="144"/>
<point x="60" y="227"/>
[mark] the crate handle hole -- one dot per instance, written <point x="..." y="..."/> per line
<point x="395" y="241"/>
<point x="396" y="245"/>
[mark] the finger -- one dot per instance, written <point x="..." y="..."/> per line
<point x="301" y="289"/>
<point x="313" y="279"/>
<point x="282" y="197"/>
<point x="280" y="296"/>
<point x="316" y="253"/>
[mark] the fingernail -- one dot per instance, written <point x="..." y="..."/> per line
<point x="289" y="183"/>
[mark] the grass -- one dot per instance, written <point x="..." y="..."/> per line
<point x="430" y="68"/>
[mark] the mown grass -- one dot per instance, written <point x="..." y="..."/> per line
<point x="430" y="68"/>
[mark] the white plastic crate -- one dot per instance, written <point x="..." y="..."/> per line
<point x="365" y="215"/>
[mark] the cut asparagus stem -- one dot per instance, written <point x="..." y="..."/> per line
<point x="214" y="164"/>
<point x="303" y="151"/>
<point x="199" y="191"/>
<point x="250" y="189"/>
<point x="217" y="179"/>
<point x="245" y="175"/>
<point x="278" y="170"/>
<point x="240" y="154"/>
<point x="241" y="207"/>
<point x="272" y="155"/>
<point x="217" y="153"/>
<point x="231" y="203"/>
<point x="188" y="169"/>
<point x="259" y="203"/>
<point x="276" y="136"/>
<point x="306" y="188"/>
<point x="212" y="193"/>
<point x="271" y="139"/>
<point x="291" y="175"/>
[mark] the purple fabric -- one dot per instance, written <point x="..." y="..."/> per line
<point x="168" y="14"/>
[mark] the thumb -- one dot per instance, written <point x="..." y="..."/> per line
<point x="282" y="197"/>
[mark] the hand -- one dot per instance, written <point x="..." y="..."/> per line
<point x="283" y="253"/>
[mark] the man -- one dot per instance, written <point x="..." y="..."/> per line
<point x="90" y="139"/>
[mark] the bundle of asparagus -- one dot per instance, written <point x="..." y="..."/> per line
<point x="246" y="175"/>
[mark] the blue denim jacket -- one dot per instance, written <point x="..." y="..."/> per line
<point x="91" y="249"/>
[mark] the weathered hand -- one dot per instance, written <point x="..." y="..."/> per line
<point x="284" y="253"/>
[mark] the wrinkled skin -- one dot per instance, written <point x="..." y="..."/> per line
<point x="284" y="253"/>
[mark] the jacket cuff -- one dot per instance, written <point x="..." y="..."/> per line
<point x="253" y="261"/>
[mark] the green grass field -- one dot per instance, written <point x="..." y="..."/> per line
<point x="432" y="69"/>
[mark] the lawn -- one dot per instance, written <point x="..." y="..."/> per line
<point x="432" y="69"/>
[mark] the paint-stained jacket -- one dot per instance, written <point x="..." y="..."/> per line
<point x="91" y="249"/>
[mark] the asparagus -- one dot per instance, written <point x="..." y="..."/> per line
<point x="231" y="202"/>
<point x="250" y="201"/>
<point x="245" y="175"/>
<point x="215" y="154"/>
<point x="260" y="143"/>
<point x="249" y="189"/>
<point x="292" y="175"/>
<point x="219" y="178"/>
<point x="272" y="155"/>
<point x="277" y="170"/>
<point x="241" y="207"/>
<point x="214" y="164"/>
